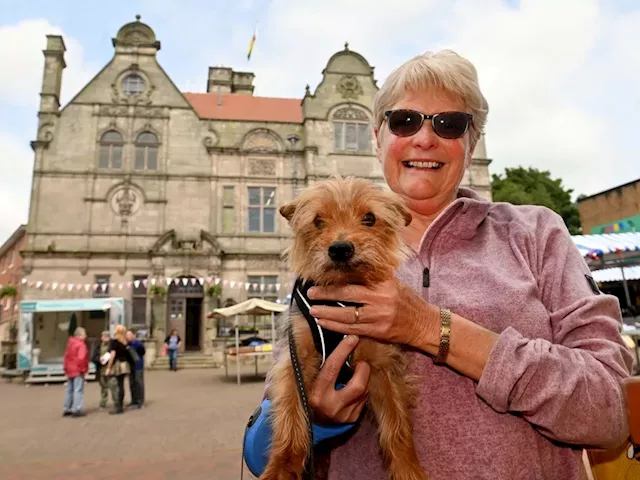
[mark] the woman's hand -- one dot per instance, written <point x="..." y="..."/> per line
<point x="390" y="311"/>
<point x="339" y="406"/>
<point x="107" y="372"/>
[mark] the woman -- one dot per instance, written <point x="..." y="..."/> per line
<point x="119" y="366"/>
<point x="518" y="354"/>
<point x="173" y="343"/>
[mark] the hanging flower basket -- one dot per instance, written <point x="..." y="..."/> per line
<point x="8" y="291"/>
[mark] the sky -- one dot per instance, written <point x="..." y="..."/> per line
<point x="562" y="77"/>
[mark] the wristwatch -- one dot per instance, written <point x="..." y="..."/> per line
<point x="445" y="336"/>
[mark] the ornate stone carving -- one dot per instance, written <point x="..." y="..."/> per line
<point x="114" y="110"/>
<point x="149" y="112"/>
<point x="349" y="87"/>
<point x="262" y="167"/>
<point x="125" y="201"/>
<point x="211" y="138"/>
<point x="262" y="140"/>
<point x="349" y="113"/>
<point x="118" y="96"/>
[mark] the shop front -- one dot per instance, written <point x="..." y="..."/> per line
<point x="46" y="325"/>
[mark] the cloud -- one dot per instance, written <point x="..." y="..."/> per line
<point x="22" y="62"/>
<point x="21" y="47"/>
<point x="16" y="158"/>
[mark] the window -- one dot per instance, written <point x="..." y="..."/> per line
<point x="111" y="150"/>
<point x="146" y="151"/>
<point x="351" y="131"/>
<point x="262" y="209"/>
<point x="133" y="85"/>
<point x="139" y="301"/>
<point x="102" y="290"/>
<point x="228" y="210"/>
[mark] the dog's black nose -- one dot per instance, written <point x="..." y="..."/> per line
<point x="341" y="251"/>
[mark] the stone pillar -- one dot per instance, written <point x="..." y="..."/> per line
<point x="52" y="76"/>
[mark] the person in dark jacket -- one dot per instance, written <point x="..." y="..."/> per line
<point x="76" y="366"/>
<point x="136" y="378"/>
<point x="119" y="366"/>
<point x="100" y="358"/>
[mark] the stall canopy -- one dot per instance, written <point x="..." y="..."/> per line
<point x="615" y="274"/>
<point x="253" y="306"/>
<point x="608" y="250"/>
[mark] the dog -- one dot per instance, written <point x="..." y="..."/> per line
<point x="345" y="231"/>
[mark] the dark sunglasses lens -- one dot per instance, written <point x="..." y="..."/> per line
<point x="404" y="123"/>
<point x="450" y="124"/>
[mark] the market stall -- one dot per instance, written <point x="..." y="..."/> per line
<point x="253" y="306"/>
<point x="46" y="325"/>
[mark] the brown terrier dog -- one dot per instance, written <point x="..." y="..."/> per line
<point x="346" y="231"/>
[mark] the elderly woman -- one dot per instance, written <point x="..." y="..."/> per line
<point x="518" y="353"/>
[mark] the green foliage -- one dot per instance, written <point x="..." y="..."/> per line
<point x="214" y="291"/>
<point x="157" y="291"/>
<point x="8" y="291"/>
<point x="531" y="186"/>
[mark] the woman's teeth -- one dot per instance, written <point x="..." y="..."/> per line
<point x="433" y="165"/>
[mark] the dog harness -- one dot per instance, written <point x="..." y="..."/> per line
<point x="324" y="340"/>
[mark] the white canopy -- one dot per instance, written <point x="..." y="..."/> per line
<point x="253" y="306"/>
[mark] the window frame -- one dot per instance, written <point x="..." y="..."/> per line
<point x="146" y="147"/>
<point x="109" y="146"/>
<point x="266" y="203"/>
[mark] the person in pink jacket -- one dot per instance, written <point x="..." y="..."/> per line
<point x="518" y="354"/>
<point x="76" y="366"/>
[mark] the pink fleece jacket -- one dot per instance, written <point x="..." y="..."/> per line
<point x="552" y="382"/>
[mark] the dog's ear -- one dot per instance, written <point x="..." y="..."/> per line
<point x="400" y="207"/>
<point x="287" y="210"/>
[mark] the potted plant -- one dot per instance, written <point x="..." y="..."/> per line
<point x="157" y="291"/>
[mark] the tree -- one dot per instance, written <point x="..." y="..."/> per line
<point x="531" y="186"/>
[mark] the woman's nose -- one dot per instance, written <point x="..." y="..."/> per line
<point x="425" y="138"/>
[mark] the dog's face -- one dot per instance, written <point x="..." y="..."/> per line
<point x="346" y="231"/>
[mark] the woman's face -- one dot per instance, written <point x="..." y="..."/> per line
<point x="426" y="191"/>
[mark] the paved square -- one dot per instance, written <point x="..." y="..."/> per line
<point x="190" y="429"/>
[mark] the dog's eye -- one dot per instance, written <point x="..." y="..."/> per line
<point x="369" y="219"/>
<point x="318" y="222"/>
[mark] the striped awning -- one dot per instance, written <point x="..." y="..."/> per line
<point x="608" y="243"/>
<point x="615" y="274"/>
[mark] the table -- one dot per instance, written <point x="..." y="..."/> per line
<point x="238" y="356"/>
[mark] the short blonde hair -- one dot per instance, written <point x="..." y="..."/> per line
<point x="80" y="332"/>
<point x="443" y="70"/>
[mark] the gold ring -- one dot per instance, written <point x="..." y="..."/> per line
<point x="357" y="314"/>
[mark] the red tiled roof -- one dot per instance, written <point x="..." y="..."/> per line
<point x="246" y="107"/>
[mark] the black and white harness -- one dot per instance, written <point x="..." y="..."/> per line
<point x="324" y="340"/>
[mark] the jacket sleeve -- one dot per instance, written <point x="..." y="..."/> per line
<point x="83" y="358"/>
<point x="568" y="388"/>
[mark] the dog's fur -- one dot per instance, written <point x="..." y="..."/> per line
<point x="331" y="211"/>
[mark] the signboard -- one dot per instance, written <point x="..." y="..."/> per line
<point x="629" y="224"/>
<point x="25" y="340"/>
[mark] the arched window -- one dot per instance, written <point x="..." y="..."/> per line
<point x="111" y="150"/>
<point x="146" y="152"/>
<point x="351" y="132"/>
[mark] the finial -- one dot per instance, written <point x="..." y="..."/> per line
<point x="346" y="46"/>
<point x="307" y="90"/>
<point x="138" y="17"/>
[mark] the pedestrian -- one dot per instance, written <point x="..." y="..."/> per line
<point x="76" y="366"/>
<point x="119" y="366"/>
<point x="100" y="359"/>
<point x="173" y="343"/>
<point x="136" y="378"/>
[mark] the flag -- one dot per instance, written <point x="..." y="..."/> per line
<point x="253" y="41"/>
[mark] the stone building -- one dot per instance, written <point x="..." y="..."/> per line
<point x="136" y="184"/>
<point x="616" y="210"/>
<point x="10" y="279"/>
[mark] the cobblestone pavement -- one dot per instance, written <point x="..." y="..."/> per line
<point x="190" y="429"/>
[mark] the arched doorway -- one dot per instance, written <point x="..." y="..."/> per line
<point x="186" y="299"/>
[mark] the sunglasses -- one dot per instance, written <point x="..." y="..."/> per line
<point x="450" y="125"/>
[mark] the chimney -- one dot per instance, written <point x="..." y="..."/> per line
<point x="52" y="76"/>
<point x="242" y="83"/>
<point x="220" y="80"/>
